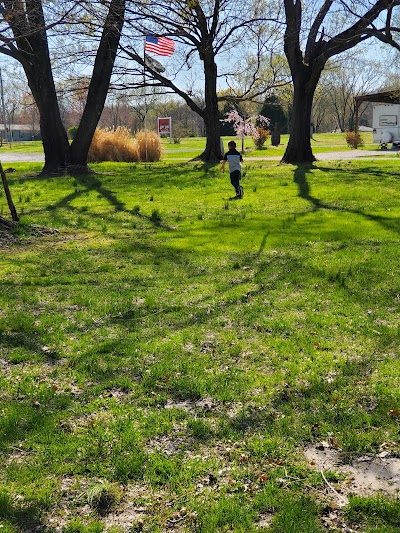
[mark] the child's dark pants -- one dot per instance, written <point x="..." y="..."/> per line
<point x="235" y="179"/>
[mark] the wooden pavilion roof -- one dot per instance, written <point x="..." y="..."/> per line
<point x="386" y="97"/>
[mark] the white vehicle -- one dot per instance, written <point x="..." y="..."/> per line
<point x="386" y="125"/>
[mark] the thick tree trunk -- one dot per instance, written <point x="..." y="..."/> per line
<point x="299" y="149"/>
<point x="29" y="27"/>
<point x="55" y="145"/>
<point x="212" y="151"/>
<point x="99" y="85"/>
<point x="35" y="59"/>
<point x="54" y="137"/>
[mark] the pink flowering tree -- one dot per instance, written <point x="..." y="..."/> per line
<point x="246" y="126"/>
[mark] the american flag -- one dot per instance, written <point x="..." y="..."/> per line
<point x="161" y="46"/>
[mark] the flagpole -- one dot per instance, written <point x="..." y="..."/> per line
<point x="145" y="99"/>
<point x="161" y="46"/>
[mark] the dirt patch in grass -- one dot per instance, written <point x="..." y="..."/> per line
<point x="265" y="521"/>
<point x="9" y="237"/>
<point x="169" y="444"/>
<point x="205" y="404"/>
<point x="365" y="476"/>
<point x="136" y="508"/>
<point x="131" y="514"/>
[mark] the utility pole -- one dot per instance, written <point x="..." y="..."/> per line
<point x="3" y="107"/>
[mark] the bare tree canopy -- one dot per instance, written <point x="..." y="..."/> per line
<point x="334" y="104"/>
<point x="314" y="34"/>
<point x="232" y="49"/>
<point x="215" y="33"/>
<point x="24" y="34"/>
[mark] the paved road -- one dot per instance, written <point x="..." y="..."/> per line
<point x="20" y="157"/>
<point x="325" y="156"/>
<point x="14" y="157"/>
<point x="341" y="155"/>
<point x="354" y="154"/>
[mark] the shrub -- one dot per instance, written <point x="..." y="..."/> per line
<point x="179" y="131"/>
<point x="148" y="146"/>
<point x="108" y="145"/>
<point x="353" y="139"/>
<point x="260" y="137"/>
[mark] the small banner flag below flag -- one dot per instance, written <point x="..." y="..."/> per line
<point x="161" y="46"/>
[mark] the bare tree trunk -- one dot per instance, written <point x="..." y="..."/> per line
<point x="99" y="85"/>
<point x="29" y="28"/>
<point x="54" y="137"/>
<point x="306" y="65"/>
<point x="28" y="25"/>
<point x="299" y="149"/>
<point x="212" y="151"/>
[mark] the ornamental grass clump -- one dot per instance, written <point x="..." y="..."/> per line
<point x="148" y="146"/>
<point x="113" y="145"/>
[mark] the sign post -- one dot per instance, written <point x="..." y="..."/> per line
<point x="165" y="127"/>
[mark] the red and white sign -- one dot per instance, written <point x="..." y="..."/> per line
<point x="164" y="125"/>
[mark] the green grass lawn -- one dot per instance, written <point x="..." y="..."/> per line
<point x="22" y="146"/>
<point x="321" y="142"/>
<point x="190" y="147"/>
<point x="168" y="355"/>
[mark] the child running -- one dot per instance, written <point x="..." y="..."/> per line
<point x="234" y="159"/>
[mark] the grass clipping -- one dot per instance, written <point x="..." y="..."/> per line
<point x="119" y="145"/>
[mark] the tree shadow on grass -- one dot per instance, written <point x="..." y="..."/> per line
<point x="91" y="183"/>
<point x="251" y="418"/>
<point x="300" y="178"/>
<point x="20" y="339"/>
<point x="24" y="519"/>
<point x="356" y="173"/>
<point x="262" y="245"/>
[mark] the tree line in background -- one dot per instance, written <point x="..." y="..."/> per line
<point x="333" y="107"/>
<point x="280" y="61"/>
